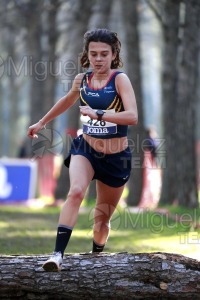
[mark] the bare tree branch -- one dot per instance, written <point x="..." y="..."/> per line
<point x="156" y="11"/>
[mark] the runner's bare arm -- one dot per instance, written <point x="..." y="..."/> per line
<point x="61" y="106"/>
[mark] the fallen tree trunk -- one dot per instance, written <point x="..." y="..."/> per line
<point x="105" y="276"/>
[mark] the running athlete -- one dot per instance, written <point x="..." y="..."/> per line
<point x="101" y="152"/>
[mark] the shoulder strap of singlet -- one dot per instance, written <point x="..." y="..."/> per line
<point x="117" y="72"/>
<point x="85" y="78"/>
<point x="113" y="76"/>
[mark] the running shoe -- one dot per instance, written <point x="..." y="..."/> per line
<point x="54" y="263"/>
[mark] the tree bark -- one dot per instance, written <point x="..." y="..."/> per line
<point x="136" y="133"/>
<point x="35" y="30"/>
<point x="51" y="33"/>
<point x="105" y="276"/>
<point x="187" y="194"/>
<point x="180" y="73"/>
<point x="169" y="81"/>
<point x="100" y="14"/>
<point x="10" y="80"/>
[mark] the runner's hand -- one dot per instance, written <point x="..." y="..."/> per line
<point x="33" y="129"/>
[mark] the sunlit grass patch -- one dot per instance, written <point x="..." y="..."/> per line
<point x="24" y="230"/>
<point x="3" y="225"/>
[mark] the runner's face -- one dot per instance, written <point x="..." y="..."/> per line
<point x="100" y="56"/>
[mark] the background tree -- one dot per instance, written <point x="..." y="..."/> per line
<point x="188" y="71"/>
<point x="169" y="17"/>
<point x="40" y="22"/>
<point x="136" y="134"/>
<point x="76" y="29"/>
<point x="9" y="87"/>
<point x="180" y="72"/>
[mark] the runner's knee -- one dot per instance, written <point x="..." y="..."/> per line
<point x="76" y="194"/>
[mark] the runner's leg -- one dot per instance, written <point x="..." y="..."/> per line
<point x="107" y="200"/>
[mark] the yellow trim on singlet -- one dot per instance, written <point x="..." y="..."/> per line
<point x="83" y="99"/>
<point x="116" y="105"/>
<point x="119" y="109"/>
<point x="87" y="78"/>
<point x="110" y="106"/>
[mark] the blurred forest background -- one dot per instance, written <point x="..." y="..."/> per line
<point x="41" y="42"/>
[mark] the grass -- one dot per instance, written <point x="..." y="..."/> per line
<point x="24" y="230"/>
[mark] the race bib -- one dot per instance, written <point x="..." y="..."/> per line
<point x="95" y="127"/>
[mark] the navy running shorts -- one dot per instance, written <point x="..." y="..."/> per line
<point x="111" y="169"/>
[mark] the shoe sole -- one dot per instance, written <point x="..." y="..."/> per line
<point x="51" y="267"/>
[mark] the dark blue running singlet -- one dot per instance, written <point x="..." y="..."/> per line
<point x="105" y="98"/>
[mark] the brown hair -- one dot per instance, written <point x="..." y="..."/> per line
<point x="104" y="36"/>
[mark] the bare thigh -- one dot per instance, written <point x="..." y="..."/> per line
<point x="80" y="173"/>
